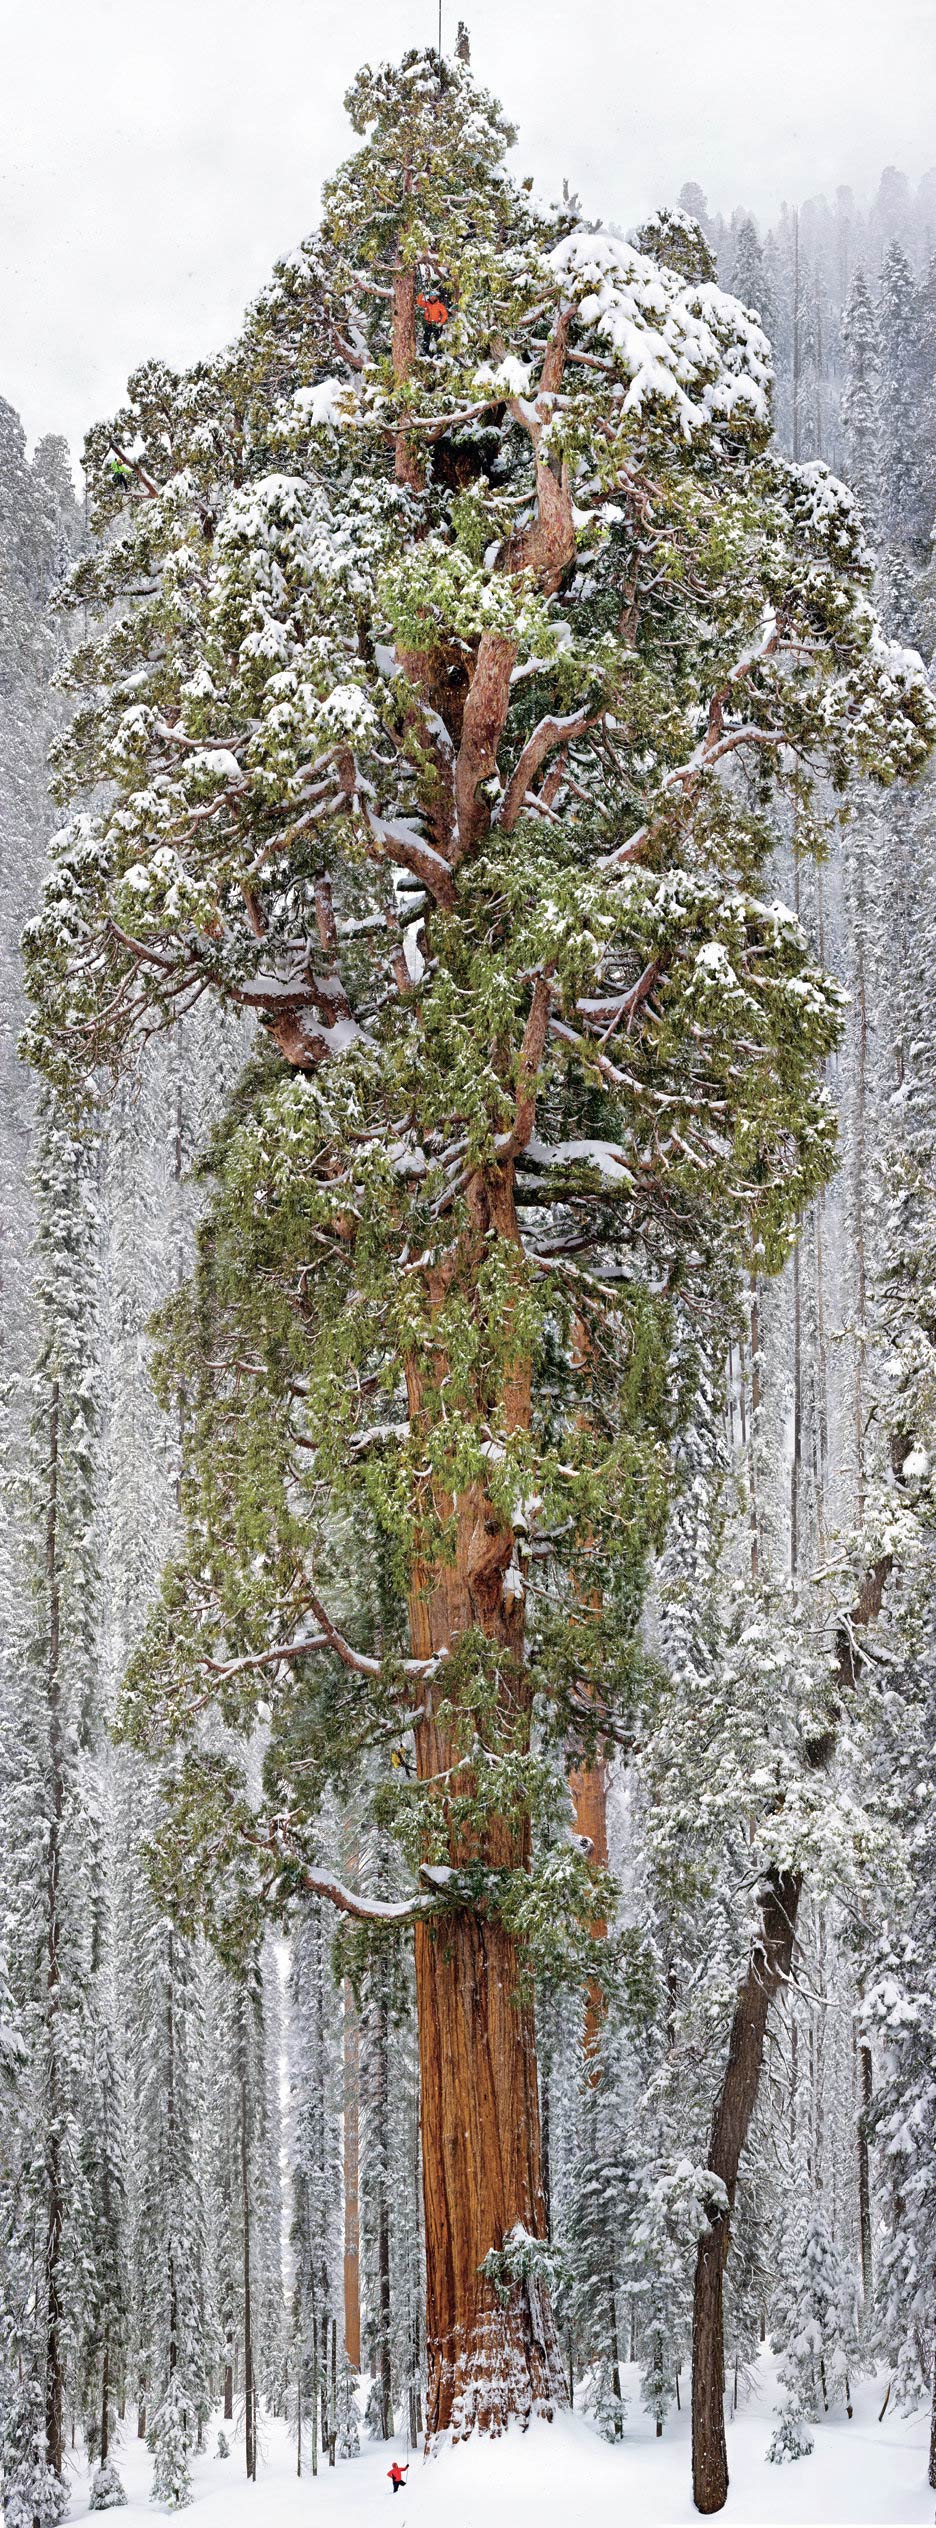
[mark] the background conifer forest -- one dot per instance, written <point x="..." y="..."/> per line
<point x="468" y="1203"/>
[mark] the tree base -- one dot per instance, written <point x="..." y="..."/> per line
<point x="507" y="2370"/>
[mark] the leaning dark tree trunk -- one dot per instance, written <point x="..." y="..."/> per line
<point x="768" y="1969"/>
<point x="771" y="1959"/>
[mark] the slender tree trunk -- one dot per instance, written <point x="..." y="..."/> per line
<point x="754" y="1431"/>
<point x="796" y="1467"/>
<point x="865" y="2074"/>
<point x="615" y="2356"/>
<point x="55" y="2208"/>
<point x="384" y="2305"/>
<point x="931" y="2478"/>
<point x="315" y="2382"/>
<point x="859" y="1177"/>
<point x="352" y="2243"/>
<point x="229" y="2391"/>
<point x="771" y="1957"/>
<point x="105" y="2401"/>
<point x="769" y="1967"/>
<point x="250" y="2412"/>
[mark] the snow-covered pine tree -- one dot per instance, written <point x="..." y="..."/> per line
<point x="315" y="2087"/>
<point x="486" y="704"/>
<point x="750" y="279"/>
<point x="38" y="534"/>
<point x="244" y="2191"/>
<point x="592" y="2241"/>
<point x="176" y="2321"/>
<point x="861" y="412"/>
<point x="62" y="2247"/>
<point x="905" y="505"/>
<point x="814" y="2325"/>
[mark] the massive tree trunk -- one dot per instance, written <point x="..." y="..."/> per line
<point x="488" y="2357"/>
<point x="491" y="2352"/>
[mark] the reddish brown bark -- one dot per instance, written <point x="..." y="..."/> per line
<point x="489" y="2356"/>
<point x="482" y="729"/>
<point x="482" y="2175"/>
<point x="589" y="1787"/>
<point x="408" y="462"/>
<point x="547" y="546"/>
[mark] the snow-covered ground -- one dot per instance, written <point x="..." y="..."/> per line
<point x="561" y="2476"/>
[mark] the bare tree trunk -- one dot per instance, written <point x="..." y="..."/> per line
<point x="754" y="1431"/>
<point x="105" y="2400"/>
<point x="55" y="2208"/>
<point x="250" y="2411"/>
<point x="382" y="2362"/>
<point x="796" y="1467"/>
<point x="352" y="2256"/>
<point x="931" y="2478"/>
<point x="771" y="1957"/>
<point x="865" y="2074"/>
<point x="769" y="1967"/>
<point x="615" y="2357"/>
<point x="315" y="2388"/>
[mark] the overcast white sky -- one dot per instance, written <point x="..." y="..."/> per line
<point x="156" y="155"/>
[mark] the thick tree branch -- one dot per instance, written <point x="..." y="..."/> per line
<point x="482" y="728"/>
<point x="399" y="842"/>
<point x="531" y="1054"/>
<point x="550" y="733"/>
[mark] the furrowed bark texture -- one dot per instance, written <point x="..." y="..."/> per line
<point x="769" y="1968"/>
<point x="482" y="2174"/>
<point x="588" y="1785"/>
<point x="488" y="2357"/>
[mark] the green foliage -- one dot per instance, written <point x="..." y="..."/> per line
<point x="473" y="822"/>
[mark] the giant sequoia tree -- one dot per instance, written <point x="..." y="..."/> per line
<point x="456" y="631"/>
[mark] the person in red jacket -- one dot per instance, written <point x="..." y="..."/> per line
<point x="397" y="2474"/>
